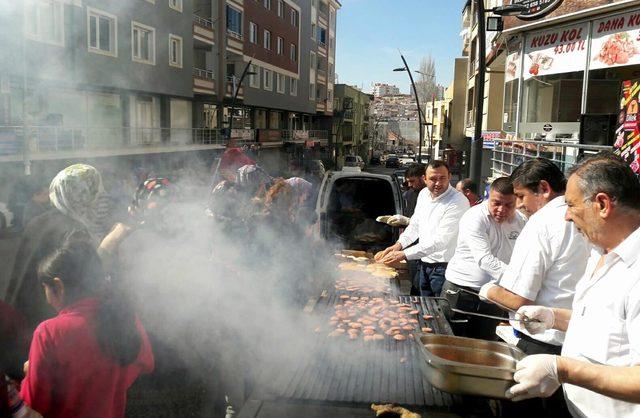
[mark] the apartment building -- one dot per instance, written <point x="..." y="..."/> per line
<point x="156" y="76"/>
<point x="383" y="89"/>
<point x="351" y="125"/>
<point x="92" y="77"/>
<point x="288" y="49"/>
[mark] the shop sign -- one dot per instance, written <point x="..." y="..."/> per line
<point x="628" y="133"/>
<point x="512" y="65"/>
<point x="300" y="135"/>
<point x="242" y="134"/>
<point x="616" y="41"/>
<point x="556" y="51"/>
<point x="488" y="139"/>
<point x="537" y="9"/>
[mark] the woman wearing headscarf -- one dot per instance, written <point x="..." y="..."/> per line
<point x="79" y="209"/>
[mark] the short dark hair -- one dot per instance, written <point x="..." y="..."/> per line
<point x="607" y="173"/>
<point x="468" y="184"/>
<point x="437" y="164"/>
<point x="416" y="170"/>
<point x="502" y="185"/>
<point x="530" y="173"/>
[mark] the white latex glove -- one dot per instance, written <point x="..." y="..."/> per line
<point x="543" y="314"/>
<point x="484" y="290"/>
<point x="536" y="377"/>
<point x="398" y="220"/>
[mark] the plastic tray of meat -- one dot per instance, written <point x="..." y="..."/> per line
<point x="469" y="366"/>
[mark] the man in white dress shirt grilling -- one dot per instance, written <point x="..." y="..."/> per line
<point x="435" y="225"/>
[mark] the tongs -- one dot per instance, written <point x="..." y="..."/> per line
<point x="499" y="318"/>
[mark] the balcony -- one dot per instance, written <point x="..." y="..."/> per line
<point x="235" y="43"/>
<point x="203" y="81"/>
<point x="58" y="142"/>
<point x="203" y="30"/>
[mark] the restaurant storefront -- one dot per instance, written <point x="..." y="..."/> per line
<point x="558" y="72"/>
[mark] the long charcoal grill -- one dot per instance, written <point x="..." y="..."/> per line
<point x="338" y="370"/>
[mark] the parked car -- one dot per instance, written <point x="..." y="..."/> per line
<point x="375" y="159"/>
<point x="353" y="161"/>
<point x="406" y="161"/>
<point x="392" y="161"/>
<point x="348" y="204"/>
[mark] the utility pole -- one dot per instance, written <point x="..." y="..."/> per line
<point x="475" y="170"/>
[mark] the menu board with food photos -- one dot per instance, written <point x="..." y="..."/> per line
<point x="615" y="41"/>
<point x="628" y="131"/>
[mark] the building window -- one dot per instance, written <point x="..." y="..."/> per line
<point x="267" y="39"/>
<point x="234" y="22"/>
<point x="254" y="79"/>
<point x="293" y="53"/>
<point x="280" y="80"/>
<point x="322" y="36"/>
<point x="312" y="60"/>
<point x="253" y="33"/>
<point x="293" y="87"/>
<point x="332" y="17"/>
<point x="143" y="43"/>
<point x="329" y="96"/>
<point x="44" y="21"/>
<point x="175" y="51"/>
<point x="280" y="8"/>
<point x="280" y="46"/>
<point x="102" y="37"/>
<point x="268" y="80"/>
<point x="312" y="91"/>
<point x="267" y="4"/>
<point x="314" y="30"/>
<point x="176" y="5"/>
<point x="294" y="17"/>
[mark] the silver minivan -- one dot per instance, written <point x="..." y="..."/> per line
<point x="353" y="161"/>
<point x="349" y="202"/>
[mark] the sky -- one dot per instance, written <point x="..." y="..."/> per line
<point x="370" y="33"/>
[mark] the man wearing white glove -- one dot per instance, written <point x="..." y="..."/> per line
<point x="434" y="226"/>
<point x="599" y="366"/>
<point x="398" y="221"/>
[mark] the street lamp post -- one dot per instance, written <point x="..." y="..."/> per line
<point x="245" y="72"/>
<point x="415" y="92"/>
<point x="476" y="142"/>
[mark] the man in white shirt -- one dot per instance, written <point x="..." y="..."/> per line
<point x="435" y="225"/>
<point x="600" y="363"/>
<point x="488" y="232"/>
<point x="549" y="256"/>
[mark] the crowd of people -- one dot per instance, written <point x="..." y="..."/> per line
<point x="559" y="255"/>
<point x="86" y="310"/>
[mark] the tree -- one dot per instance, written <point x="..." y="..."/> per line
<point x="426" y="83"/>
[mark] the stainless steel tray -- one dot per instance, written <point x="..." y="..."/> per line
<point x="467" y="365"/>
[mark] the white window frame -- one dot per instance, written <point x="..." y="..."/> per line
<point x="280" y="83"/>
<point x="178" y="39"/>
<point x="138" y="25"/>
<point x="314" y="29"/>
<point x="253" y="33"/>
<point x="280" y="46"/>
<point x="254" y="79"/>
<point x="313" y="60"/>
<point x="267" y="4"/>
<point x="293" y="52"/>
<point x="176" y="5"/>
<point x="268" y="79"/>
<point x="281" y="8"/>
<point x="294" y="17"/>
<point x="113" y="18"/>
<point x="293" y="86"/>
<point x="266" y="40"/>
<point x="312" y="91"/>
<point x="58" y="22"/>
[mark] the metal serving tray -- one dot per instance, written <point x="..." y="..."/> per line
<point x="469" y="366"/>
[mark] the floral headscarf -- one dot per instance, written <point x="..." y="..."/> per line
<point x="77" y="192"/>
